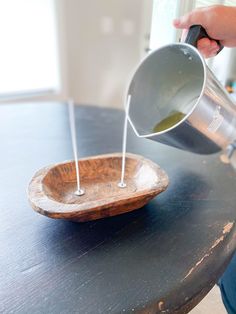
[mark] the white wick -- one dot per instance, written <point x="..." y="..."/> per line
<point x="122" y="184"/>
<point x="79" y="191"/>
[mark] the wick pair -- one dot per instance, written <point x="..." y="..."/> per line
<point x="121" y="184"/>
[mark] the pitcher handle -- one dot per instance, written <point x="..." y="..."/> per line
<point x="197" y="32"/>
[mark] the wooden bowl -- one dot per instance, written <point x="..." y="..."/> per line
<point x="51" y="191"/>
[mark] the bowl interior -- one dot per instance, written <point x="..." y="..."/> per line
<point x="99" y="178"/>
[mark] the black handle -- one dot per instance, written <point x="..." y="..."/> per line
<point x="197" y="32"/>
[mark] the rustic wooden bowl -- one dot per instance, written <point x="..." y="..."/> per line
<point x="51" y="191"/>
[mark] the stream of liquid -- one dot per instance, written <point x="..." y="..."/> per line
<point x="79" y="191"/>
<point x="122" y="183"/>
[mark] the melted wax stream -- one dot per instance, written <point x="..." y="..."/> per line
<point x="122" y="183"/>
<point x="79" y="191"/>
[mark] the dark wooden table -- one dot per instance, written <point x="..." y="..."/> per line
<point x="162" y="258"/>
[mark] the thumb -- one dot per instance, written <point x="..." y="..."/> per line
<point x="189" y="19"/>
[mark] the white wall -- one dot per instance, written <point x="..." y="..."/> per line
<point x="102" y="42"/>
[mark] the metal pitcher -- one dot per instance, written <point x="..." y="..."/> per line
<point x="175" y="78"/>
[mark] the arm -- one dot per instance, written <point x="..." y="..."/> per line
<point x="219" y="22"/>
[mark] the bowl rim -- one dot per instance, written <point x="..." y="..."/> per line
<point x="50" y="207"/>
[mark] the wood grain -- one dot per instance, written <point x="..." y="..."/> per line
<point x="51" y="191"/>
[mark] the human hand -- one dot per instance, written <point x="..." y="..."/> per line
<point x="207" y="47"/>
<point x="219" y="22"/>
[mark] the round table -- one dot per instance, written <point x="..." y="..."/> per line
<point x="162" y="258"/>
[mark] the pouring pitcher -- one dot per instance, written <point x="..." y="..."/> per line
<point x="177" y="100"/>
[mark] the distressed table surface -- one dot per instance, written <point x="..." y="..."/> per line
<point x="162" y="258"/>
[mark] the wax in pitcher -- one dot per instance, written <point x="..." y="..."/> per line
<point x="172" y="119"/>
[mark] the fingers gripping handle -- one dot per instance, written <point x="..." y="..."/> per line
<point x="197" y="32"/>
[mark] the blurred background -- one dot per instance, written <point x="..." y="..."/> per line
<point x="87" y="50"/>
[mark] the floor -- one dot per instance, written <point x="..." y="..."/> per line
<point x="211" y="304"/>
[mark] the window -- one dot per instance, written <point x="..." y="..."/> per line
<point x="28" y="54"/>
<point x="162" y="31"/>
